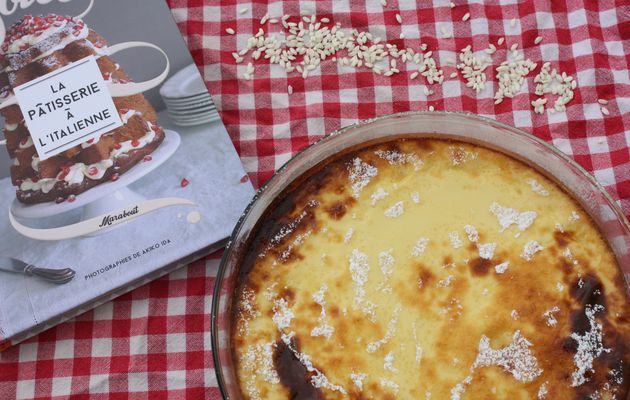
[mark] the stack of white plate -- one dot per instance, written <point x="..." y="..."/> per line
<point x="187" y="99"/>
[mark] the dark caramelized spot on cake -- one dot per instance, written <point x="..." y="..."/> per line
<point x="334" y="311"/>
<point x="569" y="345"/>
<point x="312" y="306"/>
<point x="565" y="266"/>
<point x="425" y="276"/>
<point x="293" y="374"/>
<point x="287" y="293"/>
<point x="337" y="210"/>
<point x="563" y="238"/>
<point x="355" y="395"/>
<point x="424" y="145"/>
<point x="480" y="266"/>
<point x="588" y="290"/>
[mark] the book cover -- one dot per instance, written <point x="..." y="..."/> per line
<point x="116" y="167"/>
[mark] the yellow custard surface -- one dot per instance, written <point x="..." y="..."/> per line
<point x="430" y="269"/>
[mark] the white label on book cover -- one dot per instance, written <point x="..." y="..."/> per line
<point x="67" y="107"/>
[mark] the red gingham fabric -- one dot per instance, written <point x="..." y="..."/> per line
<point x="155" y="341"/>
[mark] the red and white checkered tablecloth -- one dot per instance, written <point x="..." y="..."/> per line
<point x="155" y="341"/>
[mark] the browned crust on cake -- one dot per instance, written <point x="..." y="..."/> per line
<point x="121" y="165"/>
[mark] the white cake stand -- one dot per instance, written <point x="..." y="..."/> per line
<point x="108" y="196"/>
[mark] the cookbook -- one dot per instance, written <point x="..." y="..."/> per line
<point x="115" y="167"/>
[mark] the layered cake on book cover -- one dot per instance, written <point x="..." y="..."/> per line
<point x="35" y="46"/>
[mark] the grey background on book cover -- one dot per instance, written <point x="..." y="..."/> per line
<point x="122" y="21"/>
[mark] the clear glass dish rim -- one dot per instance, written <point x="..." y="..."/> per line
<point x="621" y="217"/>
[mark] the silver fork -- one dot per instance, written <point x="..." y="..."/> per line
<point x="59" y="276"/>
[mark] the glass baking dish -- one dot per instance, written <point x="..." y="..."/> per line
<point x="547" y="159"/>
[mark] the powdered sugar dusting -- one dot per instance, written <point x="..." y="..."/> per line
<point x="550" y="317"/>
<point x="538" y="188"/>
<point x="472" y="233"/>
<point x="420" y="247"/>
<point x="509" y="216"/>
<point x="569" y="255"/>
<point x="486" y="251"/>
<point x="516" y="358"/>
<point x="298" y="241"/>
<point x="501" y="268"/>
<point x="397" y="158"/>
<point x="386" y="262"/>
<point x="357" y="379"/>
<point x="360" y="175"/>
<point x="589" y="346"/>
<point x="259" y="359"/>
<point x="372" y="347"/>
<point x="532" y="247"/>
<point x="456" y="242"/>
<point x="247" y="308"/>
<point x="542" y="391"/>
<point x="348" y="235"/>
<point x="282" y="314"/>
<point x="419" y="350"/>
<point x="379" y="194"/>
<point x="389" y="362"/>
<point x="396" y="210"/>
<point x="323" y="329"/>
<point x="415" y="197"/>
<point x="389" y="384"/>
<point x="359" y="269"/>
<point x="446" y="281"/>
